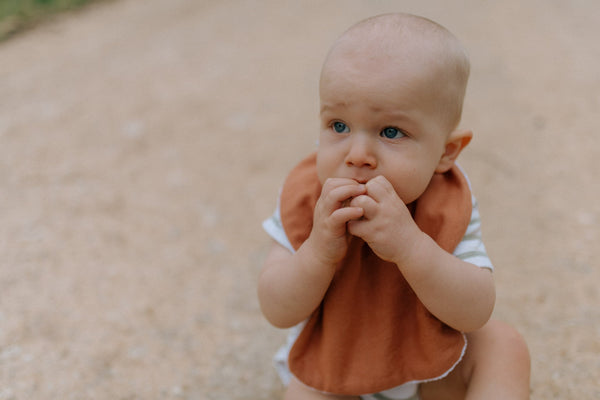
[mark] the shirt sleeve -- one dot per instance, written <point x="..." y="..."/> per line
<point x="274" y="228"/>
<point x="471" y="248"/>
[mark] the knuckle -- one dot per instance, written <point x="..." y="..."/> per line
<point x="359" y="201"/>
<point x="371" y="182"/>
<point x="328" y="183"/>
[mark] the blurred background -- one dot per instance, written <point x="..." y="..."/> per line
<point x="143" y="143"/>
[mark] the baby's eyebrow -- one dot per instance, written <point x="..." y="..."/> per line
<point x="332" y="106"/>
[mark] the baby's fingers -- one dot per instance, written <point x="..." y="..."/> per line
<point x="346" y="214"/>
<point x="379" y="188"/>
<point x="336" y="191"/>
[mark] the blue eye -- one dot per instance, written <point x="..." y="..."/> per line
<point x="340" y="127"/>
<point x="391" y="133"/>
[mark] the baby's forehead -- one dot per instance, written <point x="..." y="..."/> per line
<point x="400" y="41"/>
<point x="372" y="59"/>
<point x="391" y="46"/>
<point x="399" y="35"/>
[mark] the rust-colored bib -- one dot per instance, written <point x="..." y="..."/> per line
<point x="371" y="332"/>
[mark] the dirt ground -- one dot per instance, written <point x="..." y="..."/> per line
<point x="142" y="144"/>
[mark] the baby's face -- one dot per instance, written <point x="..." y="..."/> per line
<point x="379" y="119"/>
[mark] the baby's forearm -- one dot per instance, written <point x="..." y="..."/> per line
<point x="458" y="293"/>
<point x="291" y="286"/>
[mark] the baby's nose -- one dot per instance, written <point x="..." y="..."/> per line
<point x="361" y="153"/>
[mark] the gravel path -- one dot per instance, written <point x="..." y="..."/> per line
<point x="142" y="143"/>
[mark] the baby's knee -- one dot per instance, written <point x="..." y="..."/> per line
<point x="506" y="334"/>
<point x="500" y="337"/>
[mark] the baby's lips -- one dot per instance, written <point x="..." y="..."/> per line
<point x="346" y="203"/>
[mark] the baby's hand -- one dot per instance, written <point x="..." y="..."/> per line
<point x="328" y="237"/>
<point x="387" y="225"/>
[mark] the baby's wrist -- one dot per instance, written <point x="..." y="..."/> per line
<point x="316" y="261"/>
<point x="413" y="250"/>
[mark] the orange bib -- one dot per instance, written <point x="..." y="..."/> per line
<point x="371" y="333"/>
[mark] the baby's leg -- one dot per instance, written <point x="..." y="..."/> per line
<point x="297" y="391"/>
<point x="496" y="366"/>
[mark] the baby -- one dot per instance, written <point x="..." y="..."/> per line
<point x="378" y="262"/>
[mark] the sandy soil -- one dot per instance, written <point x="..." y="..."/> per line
<point x="142" y="143"/>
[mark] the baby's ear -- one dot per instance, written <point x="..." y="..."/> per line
<point x="457" y="140"/>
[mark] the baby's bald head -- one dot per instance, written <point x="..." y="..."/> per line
<point x="405" y="43"/>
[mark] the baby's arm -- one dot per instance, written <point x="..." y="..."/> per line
<point x="458" y="293"/>
<point x="292" y="285"/>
